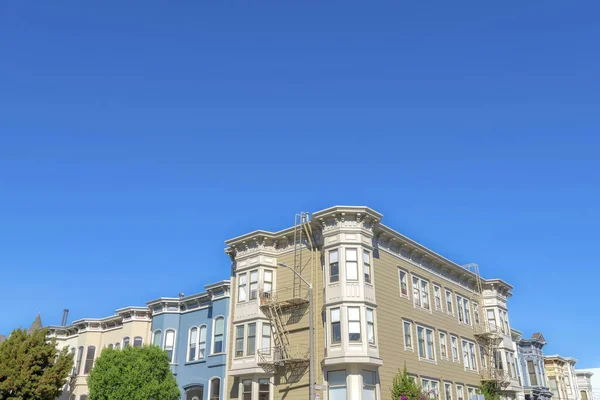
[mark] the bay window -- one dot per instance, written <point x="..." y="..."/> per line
<point x="247" y="389"/>
<point x="251" y="340"/>
<point x="368" y="391"/>
<point x="267" y="281"/>
<point x="354" y="324"/>
<point x="336" y="329"/>
<point x="367" y="266"/>
<point x="351" y="265"/>
<point x="370" y="326"/>
<point x="265" y="342"/>
<point x="89" y="359"/>
<point x="253" y="284"/>
<point x="239" y="341"/>
<point x="242" y="287"/>
<point x="170" y="344"/>
<point x="336" y="381"/>
<point x="264" y="389"/>
<point x="334" y="266"/>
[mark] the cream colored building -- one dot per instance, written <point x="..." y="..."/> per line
<point x="87" y="337"/>
<point x="561" y="377"/>
<point x="584" y="382"/>
<point x="381" y="301"/>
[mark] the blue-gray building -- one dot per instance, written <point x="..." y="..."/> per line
<point x="193" y="332"/>
<point x="531" y="361"/>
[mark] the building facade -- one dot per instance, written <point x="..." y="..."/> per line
<point x="193" y="332"/>
<point x="85" y="339"/>
<point x="561" y="377"/>
<point x="584" y="382"/>
<point x="381" y="301"/>
<point x="531" y="364"/>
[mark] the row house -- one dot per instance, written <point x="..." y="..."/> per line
<point x="381" y="301"/>
<point x="561" y="377"/>
<point x="531" y="364"/>
<point x="584" y="382"/>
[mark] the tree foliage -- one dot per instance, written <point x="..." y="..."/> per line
<point x="404" y="387"/>
<point x="31" y="368"/>
<point x="134" y="373"/>
<point x="489" y="390"/>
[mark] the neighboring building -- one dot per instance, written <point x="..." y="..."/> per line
<point x="2" y="338"/>
<point x="87" y="337"/>
<point x="192" y="330"/>
<point x="584" y="381"/>
<point x="595" y="380"/>
<point x="561" y="377"/>
<point x="531" y="365"/>
<point x="381" y="301"/>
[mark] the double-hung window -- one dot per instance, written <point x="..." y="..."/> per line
<point x="459" y="305"/>
<point x="454" y="343"/>
<point x="351" y="265"/>
<point x="491" y="317"/>
<point x="247" y="389"/>
<point x="137" y="341"/>
<point x="367" y="266"/>
<point x="192" y="340"/>
<point x="267" y="281"/>
<point x="354" y="324"/>
<point x="460" y="392"/>
<point x="430" y="387"/>
<point x="336" y="381"/>
<point x="421" y="292"/>
<point x="218" y="333"/>
<point x="242" y="287"/>
<point x="449" y="306"/>
<point x="126" y="341"/>
<point x="505" y="320"/>
<point x="336" y="329"/>
<point x="156" y="340"/>
<point x="202" y="343"/>
<point x="473" y="356"/>
<point x="368" y="391"/>
<point x="251" y="340"/>
<point x="215" y="389"/>
<point x="408" y="343"/>
<point x="264" y="389"/>
<point x="79" y="358"/>
<point x="265" y="343"/>
<point x="403" y="277"/>
<point x="170" y="344"/>
<point x="239" y="341"/>
<point x="532" y="375"/>
<point x="443" y="346"/>
<point x="467" y="311"/>
<point x="370" y="326"/>
<point x="476" y="313"/>
<point x="437" y="295"/>
<point x="469" y="355"/>
<point x="471" y="393"/>
<point x="334" y="266"/>
<point x="482" y="357"/>
<point x="426" y="343"/>
<point x="89" y="359"/>
<point x="253" y="284"/>
<point x="448" y="390"/>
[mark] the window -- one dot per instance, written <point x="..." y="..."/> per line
<point x="431" y="387"/>
<point x="247" y="389"/>
<point x="471" y="392"/>
<point x="351" y="265"/>
<point x="513" y="367"/>
<point x="476" y="313"/>
<point x="242" y="288"/>
<point x="469" y="355"/>
<point x="426" y="344"/>
<point x="370" y="326"/>
<point x="498" y="360"/>
<point x="268" y="281"/>
<point x="202" y="343"/>
<point x="408" y="344"/>
<point x="532" y="376"/>
<point x="218" y="335"/>
<point x="437" y="295"/>
<point x="448" y="390"/>
<point x="354" y="324"/>
<point x="79" y="357"/>
<point x="403" y="283"/>
<point x="337" y="385"/>
<point x="459" y="305"/>
<point x="491" y="317"/>
<point x="368" y="391"/>
<point x="194" y="393"/>
<point x="137" y="341"/>
<point x="506" y="327"/>
<point x="467" y="312"/>
<point x="460" y="393"/>
<point x="89" y="359"/>
<point x="253" y="284"/>
<point x="584" y="395"/>
<point x="192" y="340"/>
<point x="265" y="343"/>
<point x="264" y="389"/>
<point x="367" y="266"/>
<point x="334" y="266"/>
<point x="443" y="346"/>
<point x="449" y="306"/>
<point x="454" y="343"/>
<point x="336" y="331"/>
<point x="170" y="343"/>
<point x="215" y="388"/>
<point x="117" y="346"/>
<point x="482" y="356"/>
<point x="420" y="292"/>
<point x="239" y="341"/>
<point x="125" y="342"/>
<point x="156" y="338"/>
<point x="251" y="343"/>
<point x="110" y="346"/>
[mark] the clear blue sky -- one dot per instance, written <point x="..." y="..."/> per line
<point x="135" y="139"/>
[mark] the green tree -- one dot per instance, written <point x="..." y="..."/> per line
<point x="404" y="387"/>
<point x="134" y="373"/>
<point x="489" y="390"/>
<point x="32" y="368"/>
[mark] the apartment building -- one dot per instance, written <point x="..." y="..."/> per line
<point x="561" y="377"/>
<point x="584" y="382"/>
<point x="87" y="337"/>
<point x="381" y="301"/>
<point x="531" y="363"/>
<point x="192" y="330"/>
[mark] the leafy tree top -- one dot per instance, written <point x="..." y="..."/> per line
<point x="31" y="367"/>
<point x="134" y="373"/>
<point x="404" y="387"/>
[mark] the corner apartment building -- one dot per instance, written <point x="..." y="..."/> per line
<point x="561" y="377"/>
<point x="87" y="337"/>
<point x="531" y="362"/>
<point x="381" y="301"/>
<point x="192" y="330"/>
<point x="584" y="382"/>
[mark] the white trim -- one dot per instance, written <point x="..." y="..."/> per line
<point x="425" y="344"/>
<point x="160" y="340"/>
<point x="212" y="347"/>
<point x="445" y="341"/>
<point x="441" y="307"/>
<point x="205" y="341"/>
<point x="172" y="361"/>
<point x="408" y="283"/>
<point x="419" y="288"/>
<point x="188" y="344"/>
<point x="209" y="385"/>
<point x="458" y="349"/>
<point x="412" y="342"/>
<point x="446" y="290"/>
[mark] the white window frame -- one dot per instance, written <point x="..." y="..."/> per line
<point x="423" y="293"/>
<point x="354" y="321"/>
<point x="263" y="326"/>
<point x="239" y="328"/>
<point x="370" y="386"/>
<point x="455" y="346"/>
<point x="159" y="344"/>
<point x="460" y="392"/>
<point x="213" y="334"/>
<point x="172" y="360"/>
<point x="471" y="391"/>
<point x="476" y="316"/>
<point x="348" y="264"/>
<point x="243" y="285"/>
<point x="251" y="295"/>
<point x="199" y="348"/>
<point x="410" y="334"/>
<point x="371" y="326"/>
<point x="443" y="339"/>
<point x="330" y="263"/>
<point x="448" y="390"/>
<point x="248" y="353"/>
<point x="470" y="357"/>
<point x="493" y="324"/>
<point x="428" y="357"/>
<point x="367" y="266"/>
<point x="437" y="290"/>
<point x="210" y="384"/>
<point x="449" y="296"/>
<point x="338" y="310"/>
<point x="408" y="288"/>
<point x="194" y="344"/>
<point x="431" y="387"/>
<point x="269" y="282"/>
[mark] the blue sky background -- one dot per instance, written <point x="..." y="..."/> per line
<point x="135" y="138"/>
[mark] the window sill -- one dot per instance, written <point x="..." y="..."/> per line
<point x="217" y="354"/>
<point x="195" y="362"/>
<point x="418" y="307"/>
<point x="409" y="349"/>
<point x="427" y="360"/>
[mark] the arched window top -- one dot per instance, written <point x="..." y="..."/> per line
<point x="218" y="334"/>
<point x="170" y="343"/>
<point x="125" y="341"/>
<point x="117" y="346"/>
<point x="156" y="338"/>
<point x="194" y="393"/>
<point x="138" y="341"/>
<point x="214" y="387"/>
